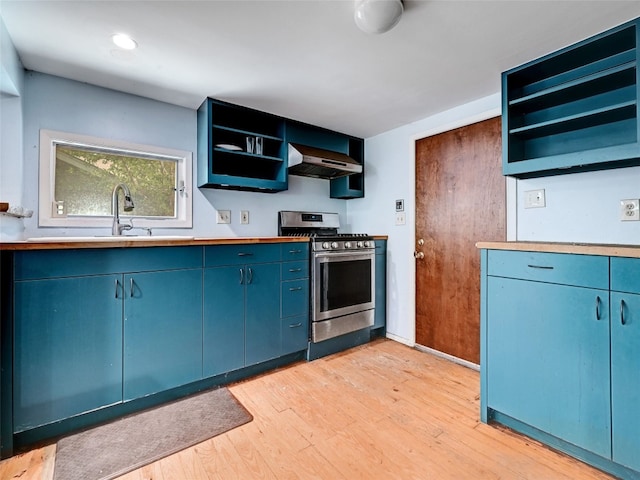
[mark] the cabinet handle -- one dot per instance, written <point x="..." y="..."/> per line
<point x="241" y="276"/>
<point x="293" y="270"/>
<point x="541" y="267"/>
<point x="250" y="275"/>
<point x="293" y="289"/>
<point x="295" y="325"/>
<point x="293" y="252"/>
<point x="245" y="254"/>
<point x="117" y="287"/>
<point x="597" y="307"/>
<point x="623" y="320"/>
<point x="131" y="287"/>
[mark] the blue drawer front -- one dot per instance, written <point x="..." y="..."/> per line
<point x="218" y="255"/>
<point x="295" y="298"/>
<point x="625" y="274"/>
<point x="38" y="264"/>
<point x="381" y="247"/>
<point x="579" y="270"/>
<point x="295" y="251"/>
<point x="294" y="270"/>
<point x="295" y="334"/>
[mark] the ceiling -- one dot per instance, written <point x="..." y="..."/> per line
<point x="302" y="59"/>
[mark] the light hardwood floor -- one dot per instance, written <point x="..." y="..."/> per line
<point x="380" y="411"/>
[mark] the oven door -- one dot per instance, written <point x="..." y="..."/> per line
<point x="342" y="283"/>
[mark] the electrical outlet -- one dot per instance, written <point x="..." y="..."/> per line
<point x="630" y="210"/>
<point x="244" y="217"/>
<point x="223" y="216"/>
<point x="534" y="199"/>
<point x="401" y="218"/>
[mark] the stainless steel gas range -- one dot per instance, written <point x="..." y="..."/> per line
<point x="342" y="274"/>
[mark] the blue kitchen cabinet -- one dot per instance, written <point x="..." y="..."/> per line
<point x="575" y="109"/>
<point x="224" y="161"/>
<point x="223" y="325"/>
<point x="162" y="331"/>
<point x="548" y="364"/>
<point x="67" y="348"/>
<point x="295" y="304"/>
<point x="560" y="349"/>
<point x="380" y="319"/>
<point x="625" y="361"/>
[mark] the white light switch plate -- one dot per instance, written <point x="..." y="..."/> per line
<point x="223" y="216"/>
<point x="401" y="218"/>
<point x="534" y="199"/>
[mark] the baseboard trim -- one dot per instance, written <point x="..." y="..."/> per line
<point x="446" y="356"/>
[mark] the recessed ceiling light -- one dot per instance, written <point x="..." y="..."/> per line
<point x="124" y="41"/>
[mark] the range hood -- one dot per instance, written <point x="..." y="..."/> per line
<point x="316" y="162"/>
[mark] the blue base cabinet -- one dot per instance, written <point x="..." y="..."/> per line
<point x="67" y="348"/>
<point x="559" y="353"/>
<point x="380" y="319"/>
<point x="162" y="331"/>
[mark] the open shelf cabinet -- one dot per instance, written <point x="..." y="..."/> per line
<point x="224" y="159"/>
<point x="575" y="109"/>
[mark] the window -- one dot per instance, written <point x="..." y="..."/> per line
<point x="78" y="175"/>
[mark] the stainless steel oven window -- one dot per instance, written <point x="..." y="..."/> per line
<point x="342" y="283"/>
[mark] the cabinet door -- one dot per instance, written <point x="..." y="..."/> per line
<point x="548" y="359"/>
<point x="162" y="331"/>
<point x="223" y="326"/>
<point x="68" y="348"/>
<point x="625" y="378"/>
<point x="263" y="339"/>
<point x="295" y="334"/>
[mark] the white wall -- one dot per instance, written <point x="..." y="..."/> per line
<point x="581" y="207"/>
<point x="11" y="88"/>
<point x="59" y="104"/>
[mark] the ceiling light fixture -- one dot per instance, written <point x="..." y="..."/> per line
<point x="377" y="16"/>
<point x="124" y="41"/>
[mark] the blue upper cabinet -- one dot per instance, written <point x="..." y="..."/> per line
<point x="240" y="148"/>
<point x="575" y="109"/>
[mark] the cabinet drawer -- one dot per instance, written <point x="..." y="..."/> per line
<point x="295" y="270"/>
<point x="294" y="251"/>
<point x="579" y="270"/>
<point x="295" y="334"/>
<point x="218" y="255"/>
<point x="295" y="298"/>
<point x="381" y="247"/>
<point x="70" y="263"/>
<point x="625" y="274"/>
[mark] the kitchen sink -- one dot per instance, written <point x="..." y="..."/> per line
<point x="109" y="238"/>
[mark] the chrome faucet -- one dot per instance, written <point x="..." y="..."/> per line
<point x="117" y="229"/>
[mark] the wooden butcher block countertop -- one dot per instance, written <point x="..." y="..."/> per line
<point x="632" y="251"/>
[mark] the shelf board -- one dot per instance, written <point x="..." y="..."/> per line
<point x="241" y="153"/>
<point x="573" y="122"/>
<point x="574" y="83"/>
<point x="246" y="132"/>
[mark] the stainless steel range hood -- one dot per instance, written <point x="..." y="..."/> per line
<point x="316" y="162"/>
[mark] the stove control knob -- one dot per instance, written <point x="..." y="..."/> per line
<point x="360" y="245"/>
<point x="367" y="244"/>
<point x="347" y="244"/>
<point x="325" y="245"/>
<point x="334" y="244"/>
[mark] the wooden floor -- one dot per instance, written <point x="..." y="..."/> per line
<point x="380" y="411"/>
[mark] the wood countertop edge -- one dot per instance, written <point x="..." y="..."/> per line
<point x="632" y="251"/>
<point x="24" y="245"/>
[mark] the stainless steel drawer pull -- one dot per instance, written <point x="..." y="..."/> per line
<point x="293" y="252"/>
<point x="541" y="267"/>
<point x="295" y="325"/>
<point x="597" y="308"/>
<point x="623" y="320"/>
<point x="293" y="289"/>
<point x="292" y="270"/>
<point x="117" y="287"/>
<point x="245" y="254"/>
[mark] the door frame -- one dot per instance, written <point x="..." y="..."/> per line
<point x="511" y="205"/>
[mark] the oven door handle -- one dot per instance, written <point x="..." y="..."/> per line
<point x="359" y="254"/>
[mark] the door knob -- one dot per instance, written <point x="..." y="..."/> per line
<point x="421" y="242"/>
<point x="418" y="255"/>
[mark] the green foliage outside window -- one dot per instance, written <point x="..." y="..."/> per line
<point x="85" y="178"/>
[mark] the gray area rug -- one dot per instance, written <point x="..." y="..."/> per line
<point x="111" y="450"/>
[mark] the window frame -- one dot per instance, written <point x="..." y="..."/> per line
<point x="46" y="186"/>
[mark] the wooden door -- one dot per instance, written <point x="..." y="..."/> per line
<point x="460" y="200"/>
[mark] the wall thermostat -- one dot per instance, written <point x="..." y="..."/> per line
<point x="399" y="205"/>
